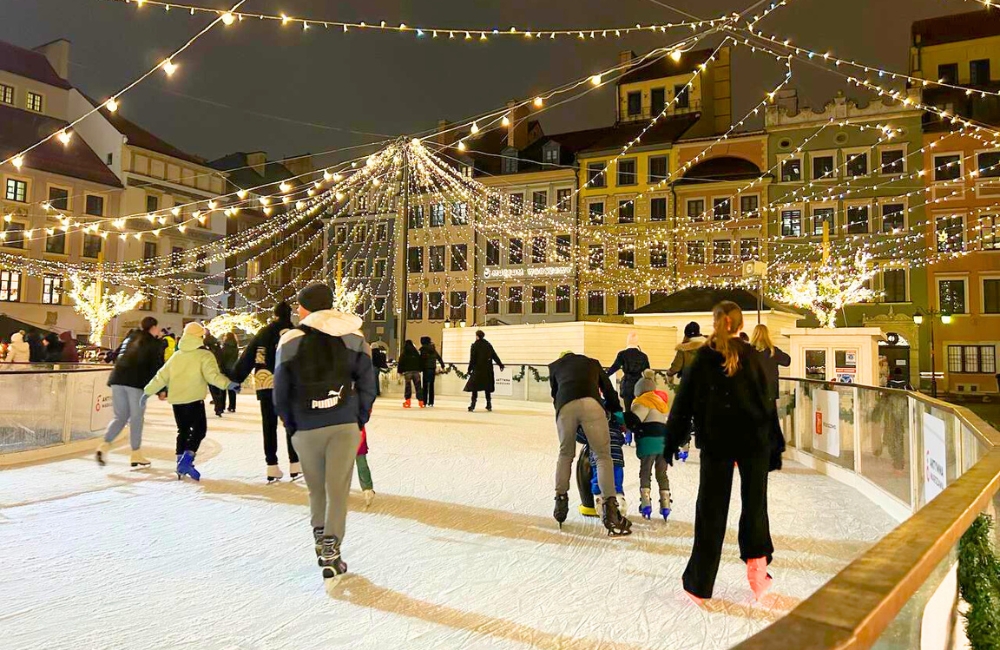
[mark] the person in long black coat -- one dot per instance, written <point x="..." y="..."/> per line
<point x="772" y="357"/>
<point x="631" y="361"/>
<point x="482" y="356"/>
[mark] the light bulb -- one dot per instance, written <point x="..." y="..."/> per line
<point x="505" y="121"/>
<point x="264" y="200"/>
<point x="181" y="228"/>
<point x="300" y="205"/>
<point x="17" y="161"/>
<point x="538" y="102"/>
<point x="327" y="176"/>
<point x="284" y="187"/>
<point x="675" y="55"/>
<point x="461" y="145"/>
<point x="286" y="199"/>
<point x="242" y="194"/>
<point x="228" y="19"/>
<point x="475" y="128"/>
<point x="64" y="136"/>
<point x="596" y="80"/>
<point x="175" y="211"/>
<point x="111" y="105"/>
<point x="169" y="67"/>
<point x="268" y="211"/>
<point x="337" y="178"/>
<point x="212" y="205"/>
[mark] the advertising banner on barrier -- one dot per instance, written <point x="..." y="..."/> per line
<point x="504" y="380"/>
<point x="935" y="457"/>
<point x="101" y="408"/>
<point x="826" y="416"/>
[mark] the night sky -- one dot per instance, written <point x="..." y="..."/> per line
<point x="257" y="86"/>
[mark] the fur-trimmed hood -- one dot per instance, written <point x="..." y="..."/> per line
<point x="692" y="345"/>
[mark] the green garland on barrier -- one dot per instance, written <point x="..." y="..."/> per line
<point x="979" y="583"/>
<point x="452" y="368"/>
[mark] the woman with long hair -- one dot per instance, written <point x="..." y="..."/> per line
<point x="771" y="358"/>
<point x="725" y="392"/>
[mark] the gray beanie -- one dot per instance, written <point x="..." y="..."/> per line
<point x="646" y="384"/>
<point x="316" y="297"/>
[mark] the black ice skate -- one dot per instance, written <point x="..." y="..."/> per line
<point x="562" y="508"/>
<point x="318" y="541"/>
<point x="616" y="523"/>
<point x="332" y="564"/>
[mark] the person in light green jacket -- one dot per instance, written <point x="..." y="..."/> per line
<point x="183" y="381"/>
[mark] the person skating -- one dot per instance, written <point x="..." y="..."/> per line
<point x="230" y="355"/>
<point x="259" y="358"/>
<point x="591" y="502"/>
<point x="482" y="356"/>
<point x="140" y="358"/>
<point x="69" y="351"/>
<point x="898" y="379"/>
<point x="169" y="344"/>
<point x="52" y="348"/>
<point x="772" y="357"/>
<point x="36" y="349"/>
<point x="218" y="394"/>
<point x="725" y="392"/>
<point x="183" y="381"/>
<point x="19" y="351"/>
<point x="380" y="363"/>
<point x="684" y="357"/>
<point x="364" y="471"/>
<point x="631" y="361"/>
<point x="324" y="389"/>
<point x="583" y="397"/>
<point x="430" y="359"/>
<point x="648" y="418"/>
<point x="409" y="368"/>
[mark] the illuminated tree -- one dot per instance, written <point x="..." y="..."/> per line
<point x="224" y="323"/>
<point x="825" y="289"/>
<point x="98" y="307"/>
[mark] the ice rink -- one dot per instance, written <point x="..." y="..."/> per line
<point x="458" y="551"/>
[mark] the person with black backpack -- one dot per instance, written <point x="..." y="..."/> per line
<point x="324" y="389"/>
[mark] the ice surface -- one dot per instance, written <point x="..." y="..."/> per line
<point x="458" y="551"/>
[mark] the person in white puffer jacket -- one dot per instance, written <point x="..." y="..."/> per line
<point x="18" y="351"/>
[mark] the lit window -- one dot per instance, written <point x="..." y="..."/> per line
<point x="16" y="190"/>
<point x="10" y="286"/>
<point x="33" y="102"/>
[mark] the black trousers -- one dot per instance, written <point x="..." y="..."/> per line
<point x="378" y="382"/>
<point x="713" y="509"/>
<point x="413" y="387"/>
<point x="191" y="426"/>
<point x="429" y="377"/>
<point x="269" y="422"/>
<point x="232" y="400"/>
<point x="489" y="398"/>
<point x="219" y="399"/>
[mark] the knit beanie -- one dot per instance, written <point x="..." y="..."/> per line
<point x="316" y="297"/>
<point x="194" y="329"/>
<point x="646" y="383"/>
<point x="692" y="330"/>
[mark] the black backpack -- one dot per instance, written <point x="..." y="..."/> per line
<point x="324" y="374"/>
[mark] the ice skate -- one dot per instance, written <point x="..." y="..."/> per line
<point x="694" y="599"/>
<point x="318" y="541"/>
<point x="185" y="466"/>
<point x="587" y="511"/>
<point x="622" y="503"/>
<point x="628" y="438"/>
<point x="406" y="404"/>
<point x="295" y="471"/>
<point x="422" y="405"/>
<point x="757" y="576"/>
<point x="665" y="502"/>
<point x="682" y="455"/>
<point x="369" y="497"/>
<point x="645" y="503"/>
<point x="329" y="559"/>
<point x="562" y="508"/>
<point x="139" y="461"/>
<point x="616" y="523"/>
<point x="274" y="474"/>
<point x="102" y="454"/>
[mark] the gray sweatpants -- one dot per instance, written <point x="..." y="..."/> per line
<point x="129" y="408"/>
<point x="646" y="466"/>
<point x="327" y="457"/>
<point x="588" y="413"/>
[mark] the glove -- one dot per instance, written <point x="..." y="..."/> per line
<point x="501" y="367"/>
<point x="233" y="386"/>
<point x="619" y="418"/>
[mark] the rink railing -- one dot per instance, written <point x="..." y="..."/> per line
<point x="43" y="405"/>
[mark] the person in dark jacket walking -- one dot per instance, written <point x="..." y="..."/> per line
<point x="725" y="392"/>
<point x="686" y="350"/>
<point x="772" y="357"/>
<point x="218" y="394"/>
<point x="482" y="356"/>
<point x="230" y="355"/>
<point x="631" y="361"/>
<point x="52" y="348"/>
<point x="140" y="358"/>
<point x="430" y="359"/>
<point x="324" y="390"/>
<point x="36" y="350"/>
<point x="409" y="368"/>
<point x="381" y="365"/>
<point x="69" y="352"/>
<point x="583" y="396"/>
<point x="259" y="358"/>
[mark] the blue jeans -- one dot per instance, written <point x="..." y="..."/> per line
<point x="129" y="407"/>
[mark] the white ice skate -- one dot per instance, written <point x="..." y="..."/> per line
<point x="138" y="461"/>
<point x="369" y="497"/>
<point x="274" y="474"/>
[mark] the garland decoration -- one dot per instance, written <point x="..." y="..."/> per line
<point x="979" y="584"/>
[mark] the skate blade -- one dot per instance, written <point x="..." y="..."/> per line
<point x="136" y="466"/>
<point x="296" y="478"/>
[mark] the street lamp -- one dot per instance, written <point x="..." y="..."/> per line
<point x="918" y="318"/>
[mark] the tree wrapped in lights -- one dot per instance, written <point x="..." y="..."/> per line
<point x="225" y="323"/>
<point x="98" y="307"/>
<point x="826" y="289"/>
<point x="346" y="299"/>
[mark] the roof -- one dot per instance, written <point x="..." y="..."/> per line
<point x="30" y="64"/>
<point x="956" y="27"/>
<point x="237" y="168"/>
<point x="665" y="66"/>
<point x="665" y="131"/>
<point x="20" y="129"/>
<point x="722" y="168"/>
<point x="137" y="136"/>
<point x="704" y="299"/>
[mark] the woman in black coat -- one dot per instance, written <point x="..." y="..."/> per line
<point x="632" y="362"/>
<point x="482" y="356"/>
<point x="409" y="368"/>
<point x="771" y="358"/>
<point x="725" y="392"/>
<point x="230" y="355"/>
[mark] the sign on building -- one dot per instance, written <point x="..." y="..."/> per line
<point x="826" y="416"/>
<point x="935" y="457"/>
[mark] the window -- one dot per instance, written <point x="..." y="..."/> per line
<point x="509" y="162"/>
<point x="626" y="172"/>
<point x="596" y="258"/>
<point x="894" y="285"/>
<point x="949" y="234"/>
<point x="33" y="102"/>
<point x="657" y="101"/>
<point x="493" y="252"/>
<point x="626" y="303"/>
<point x="435" y="259"/>
<point x="416" y="219"/>
<point x="749" y="205"/>
<point x="991" y="296"/>
<point x="459" y="213"/>
<point x="456" y="310"/>
<point x="539" y="201"/>
<point x="92" y="245"/>
<point x="59" y="198"/>
<point x="683" y="97"/>
<point x="173" y="300"/>
<point x="947" y="167"/>
<point x="791" y="223"/>
<point x="538" y="300"/>
<point x="197" y="302"/>
<point x="626" y="211"/>
<point x="16" y="190"/>
<point x="595" y="174"/>
<point x="357" y="269"/>
<point x="857" y="164"/>
<point x="634" y="104"/>
<point x="562" y="299"/>
<point x="437" y="215"/>
<point x="990" y="232"/>
<point x="515" y="300"/>
<point x="176" y="255"/>
<point x="626" y="256"/>
<point x="595" y="303"/>
<point x="515" y="252"/>
<point x="979" y="72"/>
<point x="721" y="209"/>
<point x="378" y="308"/>
<point x="658" y="256"/>
<point x="147" y="302"/>
<point x="563" y="244"/>
<point x="55" y="242"/>
<point x="414" y="306"/>
<point x="378" y="270"/>
<point x="948" y="73"/>
<point x="538" y="250"/>
<point x="822" y="216"/>
<point x="696" y="252"/>
<point x="791" y="170"/>
<point x="95" y="205"/>
<point x="696" y="209"/>
<point x="892" y="161"/>
<point x="415" y="259"/>
<point x="564" y="199"/>
<point x="110" y="159"/>
<point x="722" y="251"/>
<point x="657" y="169"/>
<point x="749" y="249"/>
<point x="516" y="204"/>
<point x="492" y="300"/>
<point x="988" y="164"/>
<point x="823" y="167"/>
<point x="658" y="209"/>
<point x="10" y="286"/>
<point x="382" y="232"/>
<point x="972" y="359"/>
<point x="951" y="296"/>
<point x="595" y="210"/>
<point x="857" y="219"/>
<point x="550" y="153"/>
<point x="341" y="235"/>
<point x="893" y="217"/>
<point x="459" y="257"/>
<point x="200" y="265"/>
<point x="360" y="233"/>
<point x="14" y="235"/>
<point x="152" y="203"/>
<point x="6" y="94"/>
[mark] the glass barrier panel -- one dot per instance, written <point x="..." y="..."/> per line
<point x="825" y="422"/>
<point x="883" y="434"/>
<point x="32" y="410"/>
<point x="786" y="411"/>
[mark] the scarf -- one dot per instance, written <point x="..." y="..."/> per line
<point x="652" y="400"/>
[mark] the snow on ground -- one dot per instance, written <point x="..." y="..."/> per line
<point x="459" y="550"/>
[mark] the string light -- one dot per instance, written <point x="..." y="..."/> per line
<point x="64" y="136"/>
<point x="169" y="67"/>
